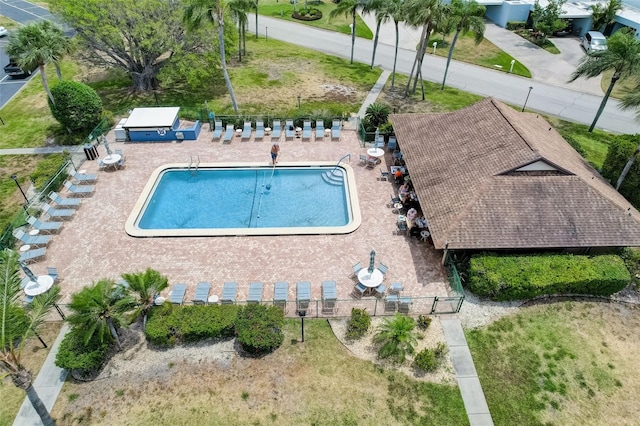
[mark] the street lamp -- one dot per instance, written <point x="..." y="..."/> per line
<point x="302" y="314"/>
<point x="525" y="101"/>
<point x="353" y="39"/>
<point x="298" y="101"/>
<point x="26" y="200"/>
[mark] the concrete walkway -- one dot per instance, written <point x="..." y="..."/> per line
<point x="41" y="150"/>
<point x="468" y="382"/>
<point x="48" y="385"/>
<point x="374" y="92"/>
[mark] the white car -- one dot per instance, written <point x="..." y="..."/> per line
<point x="3" y="31"/>
<point x="593" y="41"/>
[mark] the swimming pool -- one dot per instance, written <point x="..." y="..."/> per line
<point x="246" y="199"/>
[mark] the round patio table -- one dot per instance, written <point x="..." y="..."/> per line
<point x="370" y="280"/>
<point x="43" y="284"/>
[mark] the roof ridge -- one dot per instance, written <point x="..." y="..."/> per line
<point x="519" y="131"/>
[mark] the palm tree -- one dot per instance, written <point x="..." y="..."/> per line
<point x="384" y="11"/>
<point x="349" y="8"/>
<point x="256" y="3"/>
<point x="196" y="12"/>
<point x="396" y="338"/>
<point x="604" y="15"/>
<point x="145" y="285"/>
<point x="427" y="14"/>
<point x="37" y="44"/>
<point x="17" y="324"/>
<point x="239" y="9"/>
<point x="467" y="16"/>
<point x="100" y="309"/>
<point x="622" y="56"/>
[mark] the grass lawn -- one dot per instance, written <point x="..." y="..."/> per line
<point x="569" y="363"/>
<point x="318" y="382"/>
<point x="485" y="54"/>
<point x="595" y="144"/>
<point x="283" y="9"/>
<point x="622" y="87"/>
<point x="33" y="358"/>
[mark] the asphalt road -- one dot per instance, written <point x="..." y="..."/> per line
<point x="550" y="99"/>
<point x="22" y="12"/>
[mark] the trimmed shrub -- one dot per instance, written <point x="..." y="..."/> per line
<point x="426" y="360"/>
<point x="168" y="325"/>
<point x="424" y="322"/>
<point x="358" y="324"/>
<point x="74" y="354"/>
<point x="259" y="328"/>
<point x="77" y="106"/>
<point x="521" y="277"/>
<point x="516" y="25"/>
<point x="619" y="152"/>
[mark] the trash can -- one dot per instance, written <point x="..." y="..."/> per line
<point x="90" y="152"/>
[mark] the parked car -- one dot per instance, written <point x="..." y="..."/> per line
<point x="15" y="71"/>
<point x="3" y="31"/>
<point x="594" y="40"/>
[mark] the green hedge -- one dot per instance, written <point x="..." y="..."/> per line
<point x="516" y="25"/>
<point x="521" y="277"/>
<point x="358" y="324"/>
<point x="74" y="354"/>
<point x="259" y="328"/>
<point x="168" y="324"/>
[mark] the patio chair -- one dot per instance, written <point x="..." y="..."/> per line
<point x="27" y="299"/>
<point x="380" y="290"/>
<point x="34" y="240"/>
<point x="392" y="145"/>
<point x="319" y="129"/>
<point x="359" y="290"/>
<point x="306" y="130"/>
<point x="217" y="131"/>
<point x="52" y="272"/>
<point x="276" y="131"/>
<point x="357" y="267"/>
<point x="119" y="152"/>
<point x="255" y="292"/>
<point x="120" y="163"/>
<point x="289" y="130"/>
<point x="303" y="295"/>
<point x="202" y="293"/>
<point x="259" y="131"/>
<point x="44" y="226"/>
<point x="281" y="294"/>
<point x="246" y="131"/>
<point x="397" y="155"/>
<point x="396" y="288"/>
<point x="81" y="190"/>
<point x="177" y="294"/>
<point x="402" y="227"/>
<point x="391" y="303"/>
<point x="229" y="290"/>
<point x="404" y="304"/>
<point x="363" y="158"/>
<point x="101" y="164"/>
<point x="384" y="175"/>
<point x="383" y="268"/>
<point x="83" y="177"/>
<point x="379" y="143"/>
<point x="395" y="200"/>
<point x="371" y="163"/>
<point x="335" y="130"/>
<point x="25" y="280"/>
<point x="30" y="255"/>
<point x="228" y="134"/>
<point x="64" y="202"/>
<point x="329" y="290"/>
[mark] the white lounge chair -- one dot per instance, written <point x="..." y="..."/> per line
<point x="44" y="226"/>
<point x="33" y="240"/>
<point x="303" y="295"/>
<point x="64" y="202"/>
<point x="83" y="177"/>
<point x="82" y="190"/>
<point x="319" y="129"/>
<point x="60" y="213"/>
<point x="281" y="294"/>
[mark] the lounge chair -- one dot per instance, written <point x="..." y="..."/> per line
<point x="306" y="130"/>
<point x="281" y="294"/>
<point x="83" y="177"/>
<point x="363" y="159"/>
<point x="82" y="190"/>
<point x="59" y="213"/>
<point x="384" y="174"/>
<point x="34" y="240"/>
<point x="392" y="145"/>
<point x="319" y="129"/>
<point x="371" y="163"/>
<point x="329" y="297"/>
<point x="30" y="255"/>
<point x="44" y="226"/>
<point x="246" y="131"/>
<point x="202" y="293"/>
<point x="53" y="273"/>
<point x="391" y="303"/>
<point x="289" y="130"/>
<point x="276" y="131"/>
<point x="359" y="290"/>
<point x="228" y="134"/>
<point x="64" y="202"/>
<point x="217" y="131"/>
<point x="396" y="288"/>
<point x="177" y="294"/>
<point x="259" y="131"/>
<point x="404" y="304"/>
<point x="255" y="292"/>
<point x="335" y="130"/>
<point x="229" y="290"/>
<point x="303" y="295"/>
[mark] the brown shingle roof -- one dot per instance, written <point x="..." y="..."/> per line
<point x="463" y="167"/>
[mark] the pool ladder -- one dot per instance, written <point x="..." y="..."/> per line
<point x="194" y="162"/>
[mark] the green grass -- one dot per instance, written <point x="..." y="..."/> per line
<point x="622" y="87"/>
<point x="282" y="9"/>
<point x="594" y="144"/>
<point x="559" y="364"/>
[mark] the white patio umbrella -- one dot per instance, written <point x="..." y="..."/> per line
<point x="372" y="261"/>
<point x="106" y="145"/>
<point x="28" y="272"/>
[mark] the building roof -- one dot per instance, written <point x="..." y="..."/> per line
<point x="152" y="117"/>
<point x="490" y="177"/>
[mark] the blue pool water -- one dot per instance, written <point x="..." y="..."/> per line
<point x="238" y="198"/>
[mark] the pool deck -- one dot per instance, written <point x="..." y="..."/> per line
<point x="94" y="245"/>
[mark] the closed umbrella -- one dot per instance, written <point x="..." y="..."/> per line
<point x="372" y="261"/>
<point x="28" y="272"/>
<point x="106" y="145"/>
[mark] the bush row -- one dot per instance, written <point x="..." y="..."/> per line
<point x="168" y="324"/>
<point x="516" y="25"/>
<point x="520" y="277"/>
<point x="259" y="328"/>
<point x="75" y="354"/>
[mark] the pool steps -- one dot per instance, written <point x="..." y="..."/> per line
<point x="334" y="177"/>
